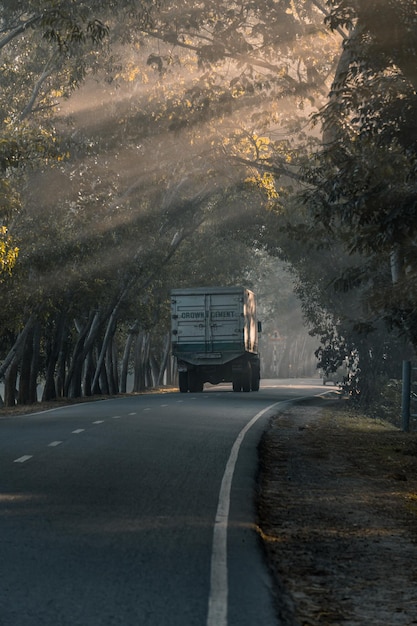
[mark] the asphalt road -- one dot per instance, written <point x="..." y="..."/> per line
<point x="137" y="511"/>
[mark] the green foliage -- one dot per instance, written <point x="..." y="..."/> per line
<point x="172" y="167"/>
<point x="358" y="223"/>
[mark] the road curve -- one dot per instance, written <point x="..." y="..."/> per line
<point x="137" y="511"/>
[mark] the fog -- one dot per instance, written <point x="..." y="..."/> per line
<point x="170" y="164"/>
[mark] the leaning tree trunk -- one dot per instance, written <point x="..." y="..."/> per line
<point x="34" y="366"/>
<point x="110" y="331"/>
<point x="89" y="369"/>
<point x="10" y="381"/>
<point x="164" y="361"/>
<point x="29" y="367"/>
<point x="132" y="334"/>
<point x="87" y="336"/>
<point x="139" y="382"/>
<point x="153" y="370"/>
<point x="111" y="367"/>
<point x="25" y="363"/>
<point x="115" y="364"/>
<point x="101" y="384"/>
<point x="18" y="346"/>
<point x="55" y="347"/>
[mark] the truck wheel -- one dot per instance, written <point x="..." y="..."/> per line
<point x="246" y="378"/>
<point x="255" y="379"/>
<point x="237" y="382"/>
<point x="183" y="381"/>
<point x="194" y="382"/>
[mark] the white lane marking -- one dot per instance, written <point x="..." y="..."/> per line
<point x="116" y="417"/>
<point x="132" y="413"/>
<point x="78" y="431"/>
<point x="148" y="408"/>
<point x="53" y="444"/>
<point x="23" y="459"/>
<point x="163" y="405"/>
<point x="218" y="597"/>
<point x="99" y="422"/>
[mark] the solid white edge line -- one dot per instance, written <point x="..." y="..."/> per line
<point x="218" y="596"/>
<point x="219" y="592"/>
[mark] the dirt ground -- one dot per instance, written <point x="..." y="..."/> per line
<point x="338" y="517"/>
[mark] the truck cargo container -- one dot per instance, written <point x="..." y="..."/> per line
<point x="215" y="337"/>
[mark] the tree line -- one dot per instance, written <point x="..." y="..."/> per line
<point x="184" y="144"/>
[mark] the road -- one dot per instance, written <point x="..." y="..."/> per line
<point x="137" y="511"/>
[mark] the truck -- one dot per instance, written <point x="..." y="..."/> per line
<point x="214" y="336"/>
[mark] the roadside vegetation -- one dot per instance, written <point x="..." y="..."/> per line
<point x="148" y="144"/>
<point x="338" y="515"/>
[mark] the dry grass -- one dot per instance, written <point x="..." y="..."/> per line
<point x="338" y="515"/>
<point x="53" y="404"/>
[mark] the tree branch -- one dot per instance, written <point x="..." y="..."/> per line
<point x="45" y="74"/>
<point x="19" y="30"/>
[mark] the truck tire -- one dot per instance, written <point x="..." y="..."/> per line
<point x="247" y="378"/>
<point x="183" y="381"/>
<point x="255" y="378"/>
<point x="194" y="382"/>
<point x="237" y="382"/>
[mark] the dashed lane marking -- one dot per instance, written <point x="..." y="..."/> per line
<point x="24" y="458"/>
<point x="116" y="417"/>
<point x="78" y="431"/>
<point x="132" y="413"/>
<point x="53" y="444"/>
<point x="99" y="422"/>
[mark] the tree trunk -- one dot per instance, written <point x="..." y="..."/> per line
<point x="132" y="334"/>
<point x="89" y="368"/>
<point x="111" y="367"/>
<point x="34" y="366"/>
<point x="87" y="336"/>
<point x="115" y="361"/>
<point x="18" y="345"/>
<point x="54" y="348"/>
<point x="164" y="362"/>
<point x="102" y="384"/>
<point x="153" y="368"/>
<point x="23" y="396"/>
<point x="139" y="370"/>
<point x="61" y="368"/>
<point x="110" y="330"/>
<point x="145" y="361"/>
<point x="10" y="381"/>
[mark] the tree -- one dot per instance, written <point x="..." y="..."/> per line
<point x="107" y="202"/>
<point x="360" y="197"/>
<point x="383" y="29"/>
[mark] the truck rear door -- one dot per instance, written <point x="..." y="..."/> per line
<point x="225" y="322"/>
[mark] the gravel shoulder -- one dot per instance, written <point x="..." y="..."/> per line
<point x="338" y="517"/>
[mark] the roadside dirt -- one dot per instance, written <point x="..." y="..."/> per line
<point x="338" y="517"/>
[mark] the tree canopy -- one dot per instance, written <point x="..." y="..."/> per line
<point x="150" y="143"/>
<point x="361" y="183"/>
